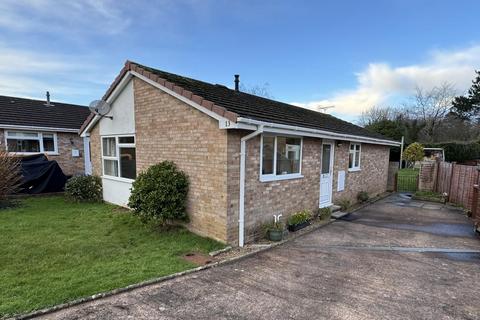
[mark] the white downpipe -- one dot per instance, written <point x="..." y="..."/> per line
<point x="241" y="211"/>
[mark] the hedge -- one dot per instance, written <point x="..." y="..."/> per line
<point x="458" y="151"/>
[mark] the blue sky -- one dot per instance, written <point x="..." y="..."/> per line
<point x="351" y="54"/>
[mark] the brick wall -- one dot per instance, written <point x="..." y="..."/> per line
<point x="264" y="199"/>
<point x="168" y="129"/>
<point x="96" y="151"/>
<point x="427" y="176"/>
<point x="373" y="174"/>
<point x="69" y="164"/>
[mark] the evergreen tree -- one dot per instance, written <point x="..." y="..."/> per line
<point x="468" y="107"/>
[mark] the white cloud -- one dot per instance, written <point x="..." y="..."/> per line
<point x="73" y="77"/>
<point x="99" y="16"/>
<point x="380" y="82"/>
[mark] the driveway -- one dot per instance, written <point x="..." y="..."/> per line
<point x="395" y="259"/>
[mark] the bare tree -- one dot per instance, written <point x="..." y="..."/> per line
<point x="431" y="107"/>
<point x="258" y="90"/>
<point x="376" y="114"/>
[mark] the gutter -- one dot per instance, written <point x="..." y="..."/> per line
<point x="275" y="127"/>
<point x="35" y="128"/>
<point x="241" y="211"/>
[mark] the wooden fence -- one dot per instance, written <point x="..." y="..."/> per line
<point x="457" y="181"/>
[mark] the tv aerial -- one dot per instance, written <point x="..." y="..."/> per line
<point x="324" y="109"/>
<point x="100" y="108"/>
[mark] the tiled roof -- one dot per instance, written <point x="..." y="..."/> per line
<point x="232" y="104"/>
<point x="34" y="113"/>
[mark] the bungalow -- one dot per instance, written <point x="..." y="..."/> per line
<point x="41" y="126"/>
<point x="247" y="157"/>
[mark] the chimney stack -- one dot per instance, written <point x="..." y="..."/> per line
<point x="237" y="82"/>
<point x="48" y="99"/>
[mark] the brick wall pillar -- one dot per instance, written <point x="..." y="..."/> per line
<point x="428" y="176"/>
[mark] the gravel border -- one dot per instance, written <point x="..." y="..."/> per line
<point x="237" y="256"/>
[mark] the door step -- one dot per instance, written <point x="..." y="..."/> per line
<point x="338" y="214"/>
<point x="335" y="208"/>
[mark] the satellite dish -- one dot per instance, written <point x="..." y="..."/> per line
<point x="100" y="107"/>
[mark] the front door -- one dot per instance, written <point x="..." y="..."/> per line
<point x="326" y="174"/>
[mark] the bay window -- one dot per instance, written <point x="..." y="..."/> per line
<point x="31" y="142"/>
<point x="118" y="157"/>
<point x="354" y="157"/>
<point x="281" y="157"/>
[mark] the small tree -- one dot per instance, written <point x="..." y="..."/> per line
<point x="413" y="152"/>
<point x="159" y="194"/>
<point x="10" y="175"/>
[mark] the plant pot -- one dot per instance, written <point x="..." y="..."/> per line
<point x="275" y="235"/>
<point x="298" y="226"/>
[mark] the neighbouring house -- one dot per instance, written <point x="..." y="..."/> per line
<point x="42" y="126"/>
<point x="247" y="157"/>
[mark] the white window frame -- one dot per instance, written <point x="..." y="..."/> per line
<point x="117" y="157"/>
<point x="274" y="176"/>
<point x="39" y="138"/>
<point x="350" y="151"/>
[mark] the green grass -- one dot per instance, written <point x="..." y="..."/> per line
<point x="407" y="179"/>
<point x="52" y="251"/>
<point x="428" y="196"/>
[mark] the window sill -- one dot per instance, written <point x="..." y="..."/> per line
<point x="354" y="170"/>
<point x="281" y="177"/>
<point x="119" y="179"/>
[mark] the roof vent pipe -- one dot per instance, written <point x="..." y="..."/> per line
<point x="237" y="82"/>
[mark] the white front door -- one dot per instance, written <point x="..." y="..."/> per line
<point x="326" y="174"/>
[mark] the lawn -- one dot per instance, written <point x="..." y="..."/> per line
<point x="407" y="180"/>
<point x="53" y="251"/>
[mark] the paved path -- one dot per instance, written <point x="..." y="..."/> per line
<point x="396" y="259"/>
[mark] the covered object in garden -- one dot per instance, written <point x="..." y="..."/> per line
<point x="41" y="175"/>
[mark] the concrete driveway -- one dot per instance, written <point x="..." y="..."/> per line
<point x="396" y="259"/>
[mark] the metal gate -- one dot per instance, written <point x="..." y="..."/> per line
<point x="407" y="181"/>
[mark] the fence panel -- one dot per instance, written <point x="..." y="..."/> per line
<point x="461" y="186"/>
<point x="392" y="171"/>
<point x="444" y="177"/>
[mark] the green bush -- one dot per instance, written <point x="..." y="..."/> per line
<point x="84" y="189"/>
<point x="344" y="204"/>
<point x="362" y="196"/>
<point x="324" y="213"/>
<point x="299" y="217"/>
<point x="459" y="151"/>
<point x="414" y="152"/>
<point x="159" y="194"/>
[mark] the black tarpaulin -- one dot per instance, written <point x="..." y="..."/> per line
<point x="41" y="175"/>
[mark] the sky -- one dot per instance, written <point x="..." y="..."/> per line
<point x="349" y="54"/>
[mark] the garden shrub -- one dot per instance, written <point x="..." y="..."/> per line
<point x="159" y="194"/>
<point x="10" y="176"/>
<point x="324" y="213"/>
<point x="362" y="196"/>
<point x="299" y="217"/>
<point x="84" y="189"/>
<point x="414" y="152"/>
<point x="344" y="204"/>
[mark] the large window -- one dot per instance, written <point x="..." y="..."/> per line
<point x="281" y="157"/>
<point x="354" y="157"/>
<point x="118" y="154"/>
<point x="31" y="142"/>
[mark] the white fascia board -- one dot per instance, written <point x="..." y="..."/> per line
<point x="307" y="132"/>
<point x="35" y="128"/>
<point x="224" y="123"/>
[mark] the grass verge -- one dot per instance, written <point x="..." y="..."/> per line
<point x="54" y="251"/>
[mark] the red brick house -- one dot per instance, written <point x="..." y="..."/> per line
<point x="40" y="126"/>
<point x="247" y="157"/>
